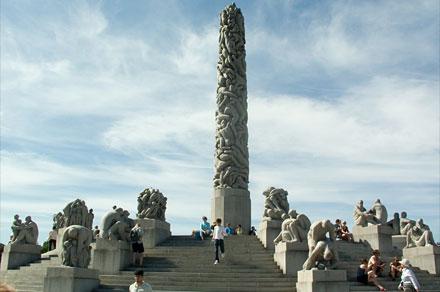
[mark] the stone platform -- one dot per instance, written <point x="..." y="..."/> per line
<point x="68" y="279"/>
<point x="290" y="256"/>
<point x="232" y="206"/>
<point x="16" y="255"/>
<point x="111" y="256"/>
<point x="424" y="257"/>
<point x="267" y="231"/>
<point x="377" y="236"/>
<point x="322" y="281"/>
<point x="155" y="231"/>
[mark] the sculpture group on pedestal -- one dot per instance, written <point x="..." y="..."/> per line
<point x="276" y="206"/>
<point x="152" y="204"/>
<point x="376" y="215"/>
<point x="76" y="246"/>
<point x="116" y="225"/>
<point x="294" y="228"/>
<point x="75" y="213"/>
<point x="24" y="233"/>
<point x="322" y="250"/>
<point x="419" y="235"/>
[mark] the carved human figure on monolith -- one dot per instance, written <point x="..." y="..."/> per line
<point x="419" y="235"/>
<point x="89" y="219"/>
<point x="379" y="211"/>
<point x="76" y="246"/>
<point x="24" y="233"/>
<point x="120" y="230"/>
<point x="362" y="217"/>
<point x="152" y="204"/>
<point x="294" y="228"/>
<point x="322" y="249"/>
<point x="110" y="219"/>
<point x="276" y="205"/>
<point x="75" y="213"/>
<point x="58" y="220"/>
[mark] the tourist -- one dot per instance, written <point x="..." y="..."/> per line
<point x="218" y="236"/>
<point x="229" y="230"/>
<point x="96" y="233"/>
<point x="338" y="228"/>
<point x="408" y="281"/>
<point x="205" y="228"/>
<point x="239" y="230"/>
<point x="367" y="277"/>
<point x="53" y="238"/>
<point x="375" y="264"/>
<point x="253" y="231"/>
<point x="345" y="233"/>
<point x="395" y="269"/>
<point x="139" y="285"/>
<point x="137" y="245"/>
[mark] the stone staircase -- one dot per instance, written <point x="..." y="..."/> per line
<point x="184" y="264"/>
<point x="351" y="254"/>
<point x="29" y="278"/>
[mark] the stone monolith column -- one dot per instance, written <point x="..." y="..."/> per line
<point x="231" y="200"/>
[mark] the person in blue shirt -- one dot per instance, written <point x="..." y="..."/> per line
<point x="229" y="230"/>
<point x="205" y="228"/>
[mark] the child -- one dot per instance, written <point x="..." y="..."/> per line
<point x="218" y="236"/>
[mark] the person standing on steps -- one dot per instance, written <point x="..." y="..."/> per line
<point x="408" y="281"/>
<point x="139" y="285"/>
<point x="137" y="244"/>
<point x="218" y="236"/>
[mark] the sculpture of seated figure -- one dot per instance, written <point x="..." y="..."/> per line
<point x="419" y="235"/>
<point x="276" y="206"/>
<point x="294" y="228"/>
<point x="362" y="217"/>
<point x="121" y="229"/>
<point x="405" y="224"/>
<point x="379" y="211"/>
<point x="395" y="224"/>
<point x="322" y="250"/>
<point x="24" y="233"/>
<point x="76" y="246"/>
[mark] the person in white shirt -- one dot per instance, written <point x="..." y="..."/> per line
<point x="139" y="285"/>
<point x="218" y="236"/>
<point x="408" y="281"/>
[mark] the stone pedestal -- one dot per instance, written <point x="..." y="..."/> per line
<point x="17" y="255"/>
<point x="68" y="279"/>
<point x="290" y="256"/>
<point x="232" y="206"/>
<point x="399" y="241"/>
<point x="155" y="231"/>
<point x="377" y="236"/>
<point x="322" y="281"/>
<point x="111" y="256"/>
<point x="424" y="257"/>
<point x="268" y="231"/>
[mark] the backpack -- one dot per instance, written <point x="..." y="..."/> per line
<point x="134" y="236"/>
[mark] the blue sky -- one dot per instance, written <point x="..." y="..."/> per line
<point x="101" y="99"/>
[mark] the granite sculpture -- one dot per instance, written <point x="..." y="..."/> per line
<point x="379" y="211"/>
<point x="152" y="204"/>
<point x="89" y="219"/>
<point x="406" y="224"/>
<point x="116" y="225"/>
<point x="75" y="213"/>
<point x="76" y="246"/>
<point x="419" y="235"/>
<point x="276" y="206"/>
<point x="58" y="220"/>
<point x="294" y="228"/>
<point x="231" y="156"/>
<point x="24" y="233"/>
<point x="322" y="250"/>
<point x="362" y="217"/>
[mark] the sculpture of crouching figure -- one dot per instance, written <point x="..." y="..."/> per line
<point x="294" y="228"/>
<point x="322" y="250"/>
<point x="121" y="229"/>
<point x="276" y="206"/>
<point x="24" y="233"/>
<point x="419" y="235"/>
<point x="76" y="246"/>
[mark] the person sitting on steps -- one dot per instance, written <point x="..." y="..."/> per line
<point x="205" y="228"/>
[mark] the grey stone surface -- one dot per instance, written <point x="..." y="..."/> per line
<point x="419" y="235"/>
<point x="111" y="256"/>
<point x="322" y="281"/>
<point x="362" y="217"/>
<point x="16" y="255"/>
<point x="231" y="156"/>
<point x="24" y="233"/>
<point x="377" y="236"/>
<point x="232" y="206"/>
<point x="290" y="256"/>
<point x="152" y="204"/>
<point x="75" y="213"/>
<point x="294" y="228"/>
<point x="69" y="279"/>
<point x="116" y="224"/>
<point x="399" y="241"/>
<point x="76" y="246"/>
<point x="322" y="249"/>
<point x="380" y="212"/>
<point x="405" y="223"/>
<point x="155" y="231"/>
<point x="267" y="231"/>
<point x="424" y="257"/>
<point x="276" y="206"/>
